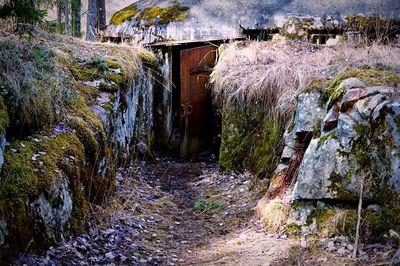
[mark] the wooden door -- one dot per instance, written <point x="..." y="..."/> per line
<point x="196" y="105"/>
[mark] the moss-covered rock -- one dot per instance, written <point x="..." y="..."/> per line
<point x="42" y="176"/>
<point x="68" y="157"/>
<point x="250" y="139"/>
<point x="361" y="145"/>
<point x="107" y="75"/>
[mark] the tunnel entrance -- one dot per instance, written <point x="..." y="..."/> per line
<point x="187" y="122"/>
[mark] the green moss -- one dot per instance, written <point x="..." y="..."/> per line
<point x="238" y="124"/>
<point x="98" y="69"/>
<point x="114" y="64"/>
<point x="209" y="206"/>
<point x="160" y="16"/>
<point x="318" y="85"/>
<point x="89" y="129"/>
<point x="377" y="224"/>
<point x="4" y="119"/>
<point x="277" y="206"/>
<point x="25" y="176"/>
<point x="361" y="149"/>
<point x="372" y="76"/>
<point x="88" y="93"/>
<point x="333" y="93"/>
<point x="323" y="138"/>
<point x="338" y="186"/>
<point x="293" y="228"/>
<point x="317" y="129"/>
<point x="250" y="139"/>
<point x="86" y="135"/>
<point x="332" y="222"/>
<point x="265" y="150"/>
<point x="148" y="57"/>
<point x="124" y="14"/>
<point x="31" y="170"/>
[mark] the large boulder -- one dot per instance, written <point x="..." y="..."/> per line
<point x="363" y="146"/>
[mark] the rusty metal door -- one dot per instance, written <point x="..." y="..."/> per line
<point x="196" y="105"/>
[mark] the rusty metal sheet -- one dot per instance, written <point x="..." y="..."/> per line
<point x="196" y="104"/>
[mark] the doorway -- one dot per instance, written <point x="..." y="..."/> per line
<point x="196" y="115"/>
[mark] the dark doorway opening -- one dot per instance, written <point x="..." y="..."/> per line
<point x="195" y="119"/>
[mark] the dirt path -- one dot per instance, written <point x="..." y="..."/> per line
<point x="167" y="213"/>
<point x="183" y="213"/>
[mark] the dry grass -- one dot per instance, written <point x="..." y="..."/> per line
<point x="274" y="213"/>
<point x="277" y="72"/>
<point x="128" y="55"/>
<point x="40" y="86"/>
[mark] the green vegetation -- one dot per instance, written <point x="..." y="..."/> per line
<point x="373" y="29"/>
<point x="45" y="84"/>
<point x="370" y="76"/>
<point x="21" y="11"/>
<point x="35" y="167"/>
<point x="209" y="206"/>
<point x="34" y="83"/>
<point x="124" y="14"/>
<point x="323" y="138"/>
<point x="265" y="154"/>
<point x="98" y="68"/>
<point x="338" y="186"/>
<point x="4" y="118"/>
<point x="250" y="139"/>
<point x="159" y="15"/>
<point x="152" y="15"/>
<point x="332" y="222"/>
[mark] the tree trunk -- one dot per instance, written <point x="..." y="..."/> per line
<point x="33" y="5"/>
<point x="101" y="7"/>
<point x="67" y="21"/>
<point x="59" y="15"/>
<point x="91" y="20"/>
<point x="76" y="17"/>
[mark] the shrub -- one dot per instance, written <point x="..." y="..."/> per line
<point x="209" y="206"/>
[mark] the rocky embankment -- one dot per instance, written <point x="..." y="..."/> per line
<point x="71" y="113"/>
<point x="329" y="129"/>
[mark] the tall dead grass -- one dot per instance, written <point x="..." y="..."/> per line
<point x="276" y="73"/>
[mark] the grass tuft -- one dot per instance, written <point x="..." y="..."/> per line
<point x="276" y="73"/>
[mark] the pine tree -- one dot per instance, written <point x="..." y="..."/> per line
<point x="59" y="15"/>
<point x="91" y="20"/>
<point x="76" y="17"/>
<point x="101" y="7"/>
<point x="67" y="17"/>
<point x="22" y="12"/>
